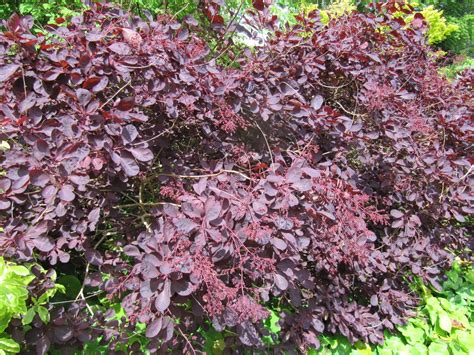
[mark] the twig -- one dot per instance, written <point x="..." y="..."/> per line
<point x="159" y="135"/>
<point x="72" y="301"/>
<point x="142" y="66"/>
<point x="23" y="78"/>
<point x="148" y="204"/>
<point x="333" y="87"/>
<point x="113" y="96"/>
<point x="466" y="174"/>
<point x="444" y="138"/>
<point x="295" y="91"/>
<point x="46" y="210"/>
<point x="227" y="28"/>
<point x="86" y="273"/>
<point x="81" y="291"/>
<point x="266" y="141"/>
<point x="347" y="111"/>
<point x="179" y="11"/>
<point x="103" y="237"/>
<point x="187" y="340"/>
<point x="206" y="175"/>
<point x="142" y="218"/>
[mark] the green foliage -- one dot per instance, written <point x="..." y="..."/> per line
<point x="47" y="11"/>
<point x="135" y="336"/>
<point x="455" y="8"/>
<point x="17" y="302"/>
<point x="287" y="9"/>
<point x="452" y="70"/>
<point x="445" y="323"/>
<point x="337" y="9"/>
<point x="8" y="8"/>
<point x="214" y="341"/>
<point x="39" y="304"/>
<point x="461" y="14"/>
<point x="150" y="5"/>
<point x="461" y="41"/>
<point x="439" y="28"/>
<point x="179" y="8"/>
<point x="14" y="280"/>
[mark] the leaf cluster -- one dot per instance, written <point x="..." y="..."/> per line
<point x="14" y="280"/>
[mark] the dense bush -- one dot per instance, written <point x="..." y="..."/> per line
<point x="44" y="11"/>
<point x="461" y="41"/>
<point x="324" y="171"/>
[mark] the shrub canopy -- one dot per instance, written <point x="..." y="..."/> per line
<point x="326" y="169"/>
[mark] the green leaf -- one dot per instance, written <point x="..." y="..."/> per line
<point x="418" y="349"/>
<point x="438" y="348"/>
<point x="466" y="340"/>
<point x="395" y="345"/>
<point x="412" y="334"/>
<point x="19" y="270"/>
<point x="43" y="314"/>
<point x="28" y="318"/>
<point x="214" y="344"/>
<point x="9" y="345"/>
<point x="444" y="322"/>
<point x="333" y="343"/>
<point x="362" y="349"/>
<point x="72" y="285"/>
<point x="271" y="323"/>
<point x="4" y="320"/>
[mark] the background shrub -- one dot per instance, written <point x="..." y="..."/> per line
<point x="13" y="296"/>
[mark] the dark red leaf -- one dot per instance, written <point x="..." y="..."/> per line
<point x="67" y="193"/>
<point x="154" y="328"/>
<point x="7" y="71"/>
<point x="126" y="104"/>
<point x="120" y="48"/>
<point x="258" y="4"/>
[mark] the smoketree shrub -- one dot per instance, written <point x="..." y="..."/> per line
<point x="324" y="172"/>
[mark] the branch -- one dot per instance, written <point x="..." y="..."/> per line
<point x="187" y="340"/>
<point x="142" y="218"/>
<point x="347" y="111"/>
<point x="147" y="204"/>
<point x="118" y="92"/>
<point x="207" y="175"/>
<point x="266" y="141"/>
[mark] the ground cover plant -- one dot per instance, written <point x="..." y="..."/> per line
<point x="320" y="175"/>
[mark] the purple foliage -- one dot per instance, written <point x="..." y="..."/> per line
<point x="325" y="171"/>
